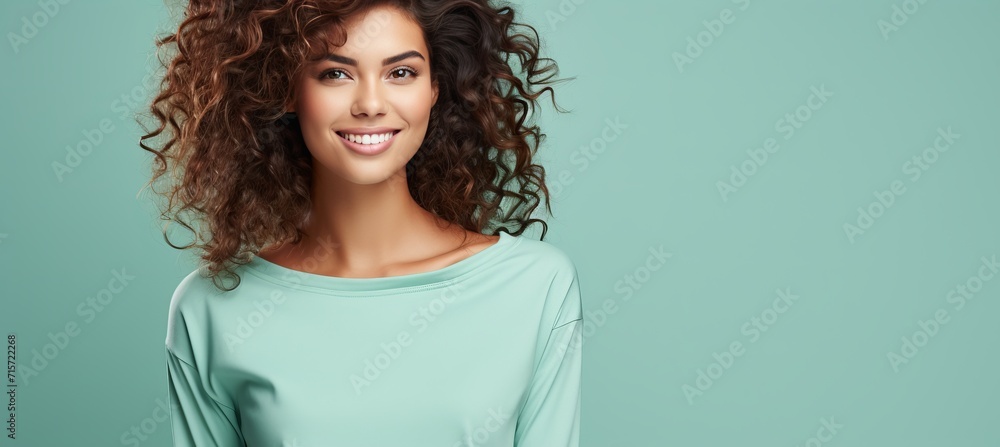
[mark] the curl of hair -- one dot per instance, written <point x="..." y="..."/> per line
<point x="237" y="169"/>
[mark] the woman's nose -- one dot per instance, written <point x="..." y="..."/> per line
<point x="369" y="99"/>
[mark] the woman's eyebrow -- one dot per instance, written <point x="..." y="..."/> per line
<point x="386" y="61"/>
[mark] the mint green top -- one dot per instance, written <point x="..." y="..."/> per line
<point x="485" y="352"/>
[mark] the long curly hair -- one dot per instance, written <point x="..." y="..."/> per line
<point x="237" y="170"/>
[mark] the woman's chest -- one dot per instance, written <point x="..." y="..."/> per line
<point x="431" y="381"/>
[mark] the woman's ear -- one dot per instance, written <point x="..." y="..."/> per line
<point x="434" y="87"/>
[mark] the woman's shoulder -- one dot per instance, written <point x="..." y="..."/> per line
<point x="191" y="298"/>
<point x="197" y="305"/>
<point x="186" y="313"/>
<point x="545" y="255"/>
<point x="193" y="288"/>
<point x="552" y="265"/>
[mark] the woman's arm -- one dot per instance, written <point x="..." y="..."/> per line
<point x="196" y="419"/>
<point x="550" y="417"/>
<point x="199" y="414"/>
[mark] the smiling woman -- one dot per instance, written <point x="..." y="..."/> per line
<point x="263" y="115"/>
<point x="363" y="170"/>
<point x="371" y="103"/>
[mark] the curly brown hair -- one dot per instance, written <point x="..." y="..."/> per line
<point x="239" y="168"/>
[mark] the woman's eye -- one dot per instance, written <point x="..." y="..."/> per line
<point x="326" y="74"/>
<point x="402" y="71"/>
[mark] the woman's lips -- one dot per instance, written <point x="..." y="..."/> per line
<point x="368" y="149"/>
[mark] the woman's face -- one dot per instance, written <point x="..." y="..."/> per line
<point x="376" y="85"/>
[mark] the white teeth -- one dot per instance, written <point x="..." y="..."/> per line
<point x="368" y="138"/>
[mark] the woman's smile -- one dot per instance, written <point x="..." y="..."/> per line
<point x="372" y="141"/>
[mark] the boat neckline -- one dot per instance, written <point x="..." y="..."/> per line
<point x="440" y="277"/>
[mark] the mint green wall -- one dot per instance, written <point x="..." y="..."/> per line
<point x="698" y="186"/>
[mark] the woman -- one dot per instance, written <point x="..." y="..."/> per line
<point x="343" y="160"/>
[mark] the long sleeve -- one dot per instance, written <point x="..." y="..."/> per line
<point x="196" y="419"/>
<point x="550" y="417"/>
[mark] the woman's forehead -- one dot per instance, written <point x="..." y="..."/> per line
<point x="380" y="35"/>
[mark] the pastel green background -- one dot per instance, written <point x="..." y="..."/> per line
<point x="653" y="186"/>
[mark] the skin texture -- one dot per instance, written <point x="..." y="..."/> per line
<point x="360" y="204"/>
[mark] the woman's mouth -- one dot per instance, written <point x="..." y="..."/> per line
<point x="368" y="144"/>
